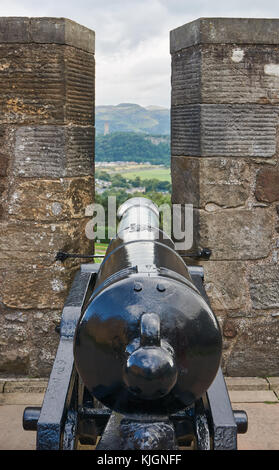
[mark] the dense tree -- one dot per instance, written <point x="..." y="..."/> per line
<point x="129" y="146"/>
<point x="102" y="175"/>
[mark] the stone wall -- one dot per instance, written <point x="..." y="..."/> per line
<point x="225" y="161"/>
<point x="46" y="180"/>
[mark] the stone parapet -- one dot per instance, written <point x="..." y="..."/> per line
<point x="47" y="88"/>
<point x="225" y="161"/>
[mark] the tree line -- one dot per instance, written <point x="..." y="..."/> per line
<point x="130" y="146"/>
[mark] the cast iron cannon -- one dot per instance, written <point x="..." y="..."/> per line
<point x="138" y="363"/>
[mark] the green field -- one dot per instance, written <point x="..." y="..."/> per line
<point x="100" y="249"/>
<point x="161" y="174"/>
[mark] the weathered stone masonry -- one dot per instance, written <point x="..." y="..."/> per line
<point x="225" y="161"/>
<point x="46" y="180"/>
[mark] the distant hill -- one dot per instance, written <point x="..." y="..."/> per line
<point x="135" y="147"/>
<point x="130" y="117"/>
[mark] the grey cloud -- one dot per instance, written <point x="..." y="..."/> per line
<point x="200" y="8"/>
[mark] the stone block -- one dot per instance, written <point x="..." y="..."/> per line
<point x="32" y="83"/>
<point x="14" y="315"/>
<point x="225" y="31"/>
<point x="186" y="121"/>
<point x="14" y="29"/>
<point x="14" y="361"/>
<point x="40" y="288"/>
<point x="51" y="200"/>
<point x="185" y="173"/>
<point x="240" y="74"/>
<point x="246" y="383"/>
<point x="3" y="186"/>
<point x="13" y="333"/>
<point x="226" y="285"/>
<point x="3" y="193"/>
<point x="227" y="130"/>
<point x="42" y="359"/>
<point x="23" y="236"/>
<point x="264" y="282"/>
<point x="256" y="349"/>
<point x="40" y="152"/>
<point x="43" y="322"/>
<point x="236" y="234"/>
<point x="224" y="182"/>
<point x="256" y="396"/>
<point x="46" y="84"/>
<point x="79" y="151"/>
<point x="223" y="74"/>
<point x="28" y="399"/>
<point x="2" y="383"/>
<point x="62" y="31"/>
<point x="274" y="382"/>
<point x="13" y="260"/>
<point x="41" y="362"/>
<point x="32" y="331"/>
<point x="80" y="87"/>
<point x="32" y="322"/>
<point x="186" y="76"/>
<point x="25" y="385"/>
<point x="3" y="165"/>
<point x="267" y="185"/>
<point x="54" y="151"/>
<point x="46" y="30"/>
<point x="229" y="329"/>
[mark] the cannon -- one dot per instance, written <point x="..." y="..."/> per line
<point x="138" y="362"/>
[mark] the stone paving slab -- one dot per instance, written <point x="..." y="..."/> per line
<point x="12" y="434"/>
<point x="273" y="381"/>
<point x="257" y="396"/>
<point x="253" y="396"/>
<point x="39" y="385"/>
<point x="33" y="399"/>
<point x="263" y="426"/>
<point x="247" y="383"/>
<point x="25" y="385"/>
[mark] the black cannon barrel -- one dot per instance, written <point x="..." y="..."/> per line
<point x="147" y="341"/>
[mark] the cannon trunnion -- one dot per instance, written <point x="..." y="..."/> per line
<point x="138" y="363"/>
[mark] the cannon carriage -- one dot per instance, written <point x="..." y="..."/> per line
<point x="138" y="362"/>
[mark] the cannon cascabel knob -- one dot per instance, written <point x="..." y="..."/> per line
<point x="150" y="371"/>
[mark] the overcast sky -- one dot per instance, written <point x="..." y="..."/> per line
<point x="132" y="38"/>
